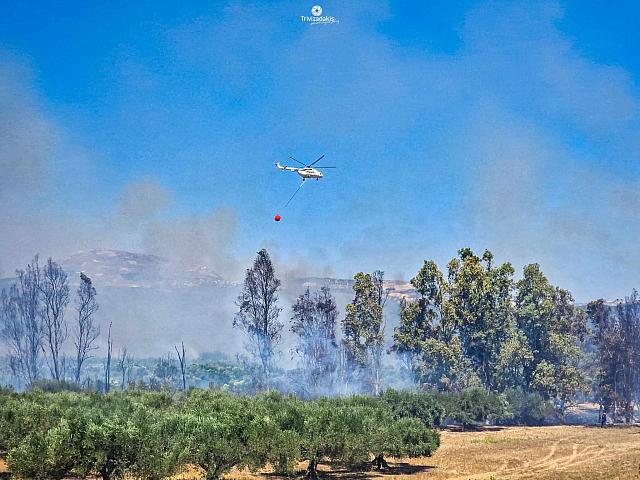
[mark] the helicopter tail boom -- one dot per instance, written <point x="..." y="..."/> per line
<point x="284" y="167"/>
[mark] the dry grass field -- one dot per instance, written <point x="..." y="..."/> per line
<point x="542" y="453"/>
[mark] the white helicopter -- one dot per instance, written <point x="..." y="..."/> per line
<point x="306" y="172"/>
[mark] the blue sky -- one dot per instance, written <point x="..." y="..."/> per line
<point x="153" y="126"/>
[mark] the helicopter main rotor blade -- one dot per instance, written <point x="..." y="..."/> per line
<point x="316" y="161"/>
<point x="298" y="161"/>
<point x="323" y="167"/>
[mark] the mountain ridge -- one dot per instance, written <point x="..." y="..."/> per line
<point x="123" y="269"/>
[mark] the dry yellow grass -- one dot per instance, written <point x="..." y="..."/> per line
<point x="544" y="453"/>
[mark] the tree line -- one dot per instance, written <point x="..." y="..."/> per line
<point x="34" y="325"/>
<point x="471" y="326"/>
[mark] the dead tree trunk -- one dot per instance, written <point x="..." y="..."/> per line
<point x="380" y="462"/>
<point x="107" y="365"/>
<point x="183" y="365"/>
<point x="312" y="469"/>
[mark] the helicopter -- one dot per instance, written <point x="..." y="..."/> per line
<point x="306" y="172"/>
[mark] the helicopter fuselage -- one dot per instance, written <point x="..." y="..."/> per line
<point x="306" y="172"/>
<point x="309" y="173"/>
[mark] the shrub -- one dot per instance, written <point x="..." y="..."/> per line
<point x="474" y="406"/>
<point x="110" y="446"/>
<point x="527" y="408"/>
<point x="54" y="386"/>
<point x="424" y="406"/>
<point x="49" y="455"/>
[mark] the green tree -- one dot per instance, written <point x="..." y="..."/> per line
<point x="218" y="432"/>
<point x="362" y="328"/>
<point x="419" y="319"/>
<point x="553" y="329"/>
<point x="110" y="446"/>
<point x="44" y="455"/>
<point x="480" y="301"/>
<point x="427" y="337"/>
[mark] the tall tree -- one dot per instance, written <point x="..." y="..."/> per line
<point x="362" y="328"/>
<point x="22" y="326"/>
<point x="553" y="329"/>
<point x="13" y="332"/>
<point x="427" y="337"/>
<point x="629" y="314"/>
<point x="377" y="349"/>
<point x="616" y="335"/>
<point x="55" y="298"/>
<point x="419" y="318"/>
<point x="258" y="313"/>
<point x="314" y="324"/>
<point x="480" y="299"/>
<point x="86" y="330"/>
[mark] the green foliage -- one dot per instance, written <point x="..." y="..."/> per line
<point x="110" y="446"/>
<point x="223" y="376"/>
<point x="52" y="386"/>
<point x="454" y="331"/>
<point x="479" y="298"/>
<point x="151" y="435"/>
<point x="410" y="438"/>
<point x="477" y="327"/>
<point x="362" y="327"/>
<point x="44" y="455"/>
<point x="422" y="406"/>
<point x="474" y="406"/>
<point x="527" y="408"/>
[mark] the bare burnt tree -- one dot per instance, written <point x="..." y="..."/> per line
<point x="13" y="332"/>
<point x="258" y="313"/>
<point x="182" y="359"/>
<point x="25" y="295"/>
<point x="164" y="373"/>
<point x="54" y="288"/>
<point x="616" y="335"/>
<point x="107" y="362"/>
<point x="124" y="365"/>
<point x="86" y="331"/>
<point x="314" y="324"/>
<point x="381" y="292"/>
<point x="629" y="314"/>
<point x="14" y="366"/>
